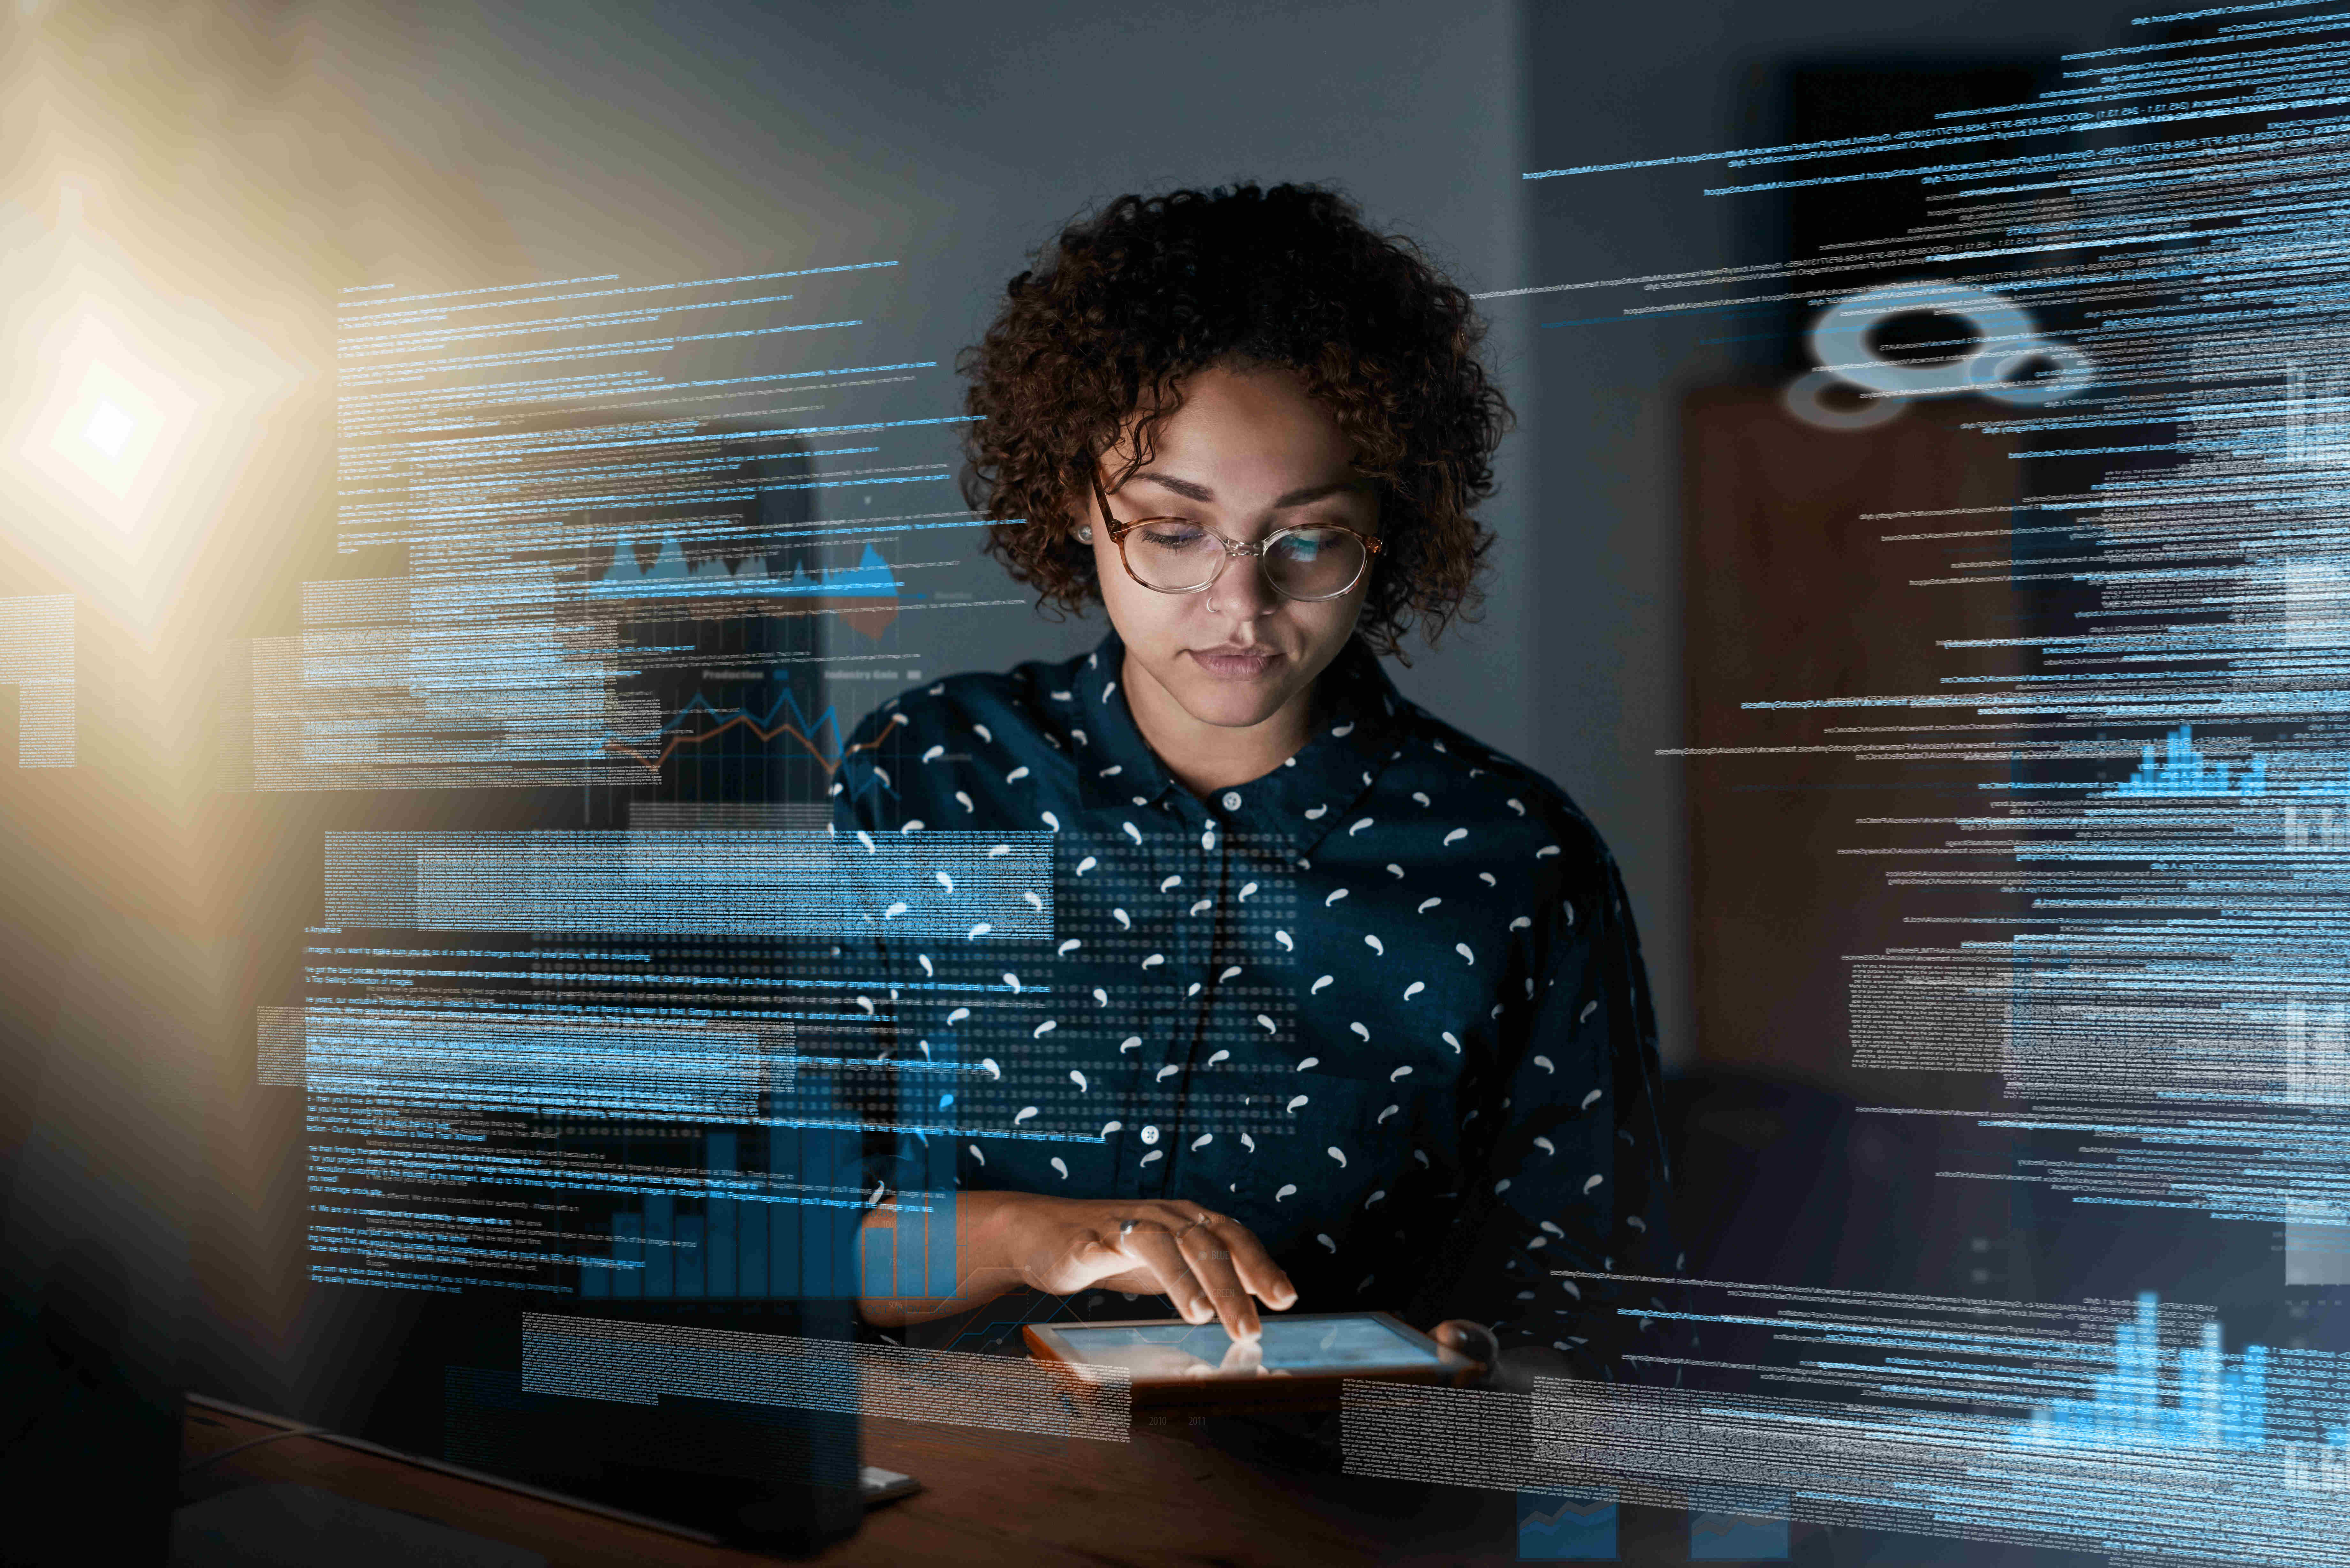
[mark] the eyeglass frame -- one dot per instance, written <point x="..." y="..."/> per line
<point x="1372" y="545"/>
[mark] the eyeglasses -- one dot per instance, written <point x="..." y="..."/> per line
<point x="1178" y="555"/>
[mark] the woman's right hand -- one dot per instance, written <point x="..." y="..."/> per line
<point x="1209" y="1267"/>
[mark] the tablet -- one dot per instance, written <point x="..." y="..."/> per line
<point x="1298" y="1360"/>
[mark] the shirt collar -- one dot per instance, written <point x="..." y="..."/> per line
<point x="1359" y="718"/>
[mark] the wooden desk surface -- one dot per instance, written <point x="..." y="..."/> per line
<point x="1163" y="1498"/>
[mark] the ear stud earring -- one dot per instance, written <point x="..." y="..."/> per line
<point x="1085" y="532"/>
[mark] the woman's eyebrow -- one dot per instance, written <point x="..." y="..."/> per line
<point x="1294" y="498"/>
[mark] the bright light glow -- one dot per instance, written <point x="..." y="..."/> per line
<point x="107" y="425"/>
<point x="129" y="412"/>
<point x="108" y="429"/>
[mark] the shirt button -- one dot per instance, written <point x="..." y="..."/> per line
<point x="1151" y="1135"/>
<point x="1232" y="800"/>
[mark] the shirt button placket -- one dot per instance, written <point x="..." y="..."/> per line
<point x="1187" y="860"/>
<point x="1223" y="918"/>
<point x="1165" y="857"/>
<point x="1205" y="880"/>
<point x="1141" y="1107"/>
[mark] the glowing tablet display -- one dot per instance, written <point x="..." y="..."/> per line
<point x="1297" y="1345"/>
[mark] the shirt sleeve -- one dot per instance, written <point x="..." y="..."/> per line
<point x="1572" y="1179"/>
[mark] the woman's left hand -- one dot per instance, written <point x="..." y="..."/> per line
<point x="1471" y="1338"/>
<point x="1514" y="1370"/>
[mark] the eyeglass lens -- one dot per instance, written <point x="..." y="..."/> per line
<point x="1301" y="563"/>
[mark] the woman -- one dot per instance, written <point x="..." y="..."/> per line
<point x="1349" y="1010"/>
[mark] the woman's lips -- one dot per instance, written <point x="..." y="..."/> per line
<point x="1226" y="665"/>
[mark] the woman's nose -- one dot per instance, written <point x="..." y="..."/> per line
<point x="1241" y="590"/>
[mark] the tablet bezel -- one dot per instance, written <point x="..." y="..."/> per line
<point x="1045" y="1343"/>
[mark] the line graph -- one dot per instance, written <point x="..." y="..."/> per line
<point x="775" y="725"/>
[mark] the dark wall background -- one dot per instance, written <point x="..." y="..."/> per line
<point x="1603" y="680"/>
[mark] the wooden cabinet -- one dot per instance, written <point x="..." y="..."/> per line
<point x="1793" y="592"/>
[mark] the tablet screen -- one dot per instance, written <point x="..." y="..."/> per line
<point x="1295" y="1345"/>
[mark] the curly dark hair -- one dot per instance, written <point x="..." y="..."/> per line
<point x="1125" y="304"/>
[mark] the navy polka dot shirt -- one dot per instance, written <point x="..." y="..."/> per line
<point x="1383" y="1005"/>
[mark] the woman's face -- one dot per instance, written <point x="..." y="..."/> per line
<point x="1247" y="454"/>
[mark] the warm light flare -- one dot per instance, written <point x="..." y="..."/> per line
<point x="106" y="426"/>
<point x="108" y="429"/>
<point x="131" y="411"/>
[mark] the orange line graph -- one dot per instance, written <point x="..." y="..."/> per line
<point x="831" y="766"/>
